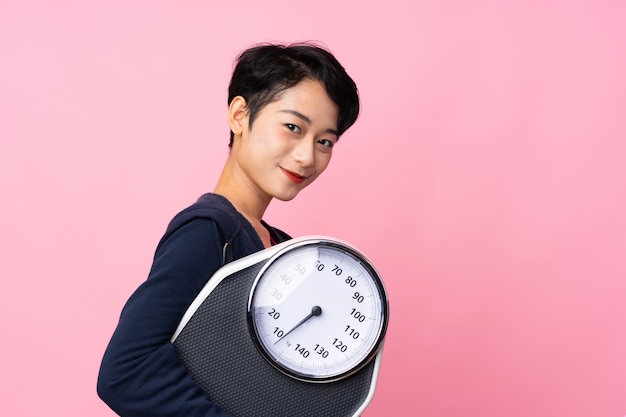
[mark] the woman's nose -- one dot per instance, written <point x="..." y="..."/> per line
<point x="304" y="152"/>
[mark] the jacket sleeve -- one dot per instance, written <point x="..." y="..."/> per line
<point x="141" y="374"/>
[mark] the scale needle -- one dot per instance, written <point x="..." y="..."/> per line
<point x="315" y="311"/>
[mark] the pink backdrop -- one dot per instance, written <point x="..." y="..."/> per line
<point x="485" y="178"/>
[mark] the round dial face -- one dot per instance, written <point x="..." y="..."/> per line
<point x="318" y="310"/>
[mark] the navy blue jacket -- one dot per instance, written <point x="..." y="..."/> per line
<point x="141" y="374"/>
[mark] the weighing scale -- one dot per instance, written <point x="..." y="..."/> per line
<point x="293" y="330"/>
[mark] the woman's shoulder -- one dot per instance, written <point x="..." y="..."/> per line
<point x="210" y="207"/>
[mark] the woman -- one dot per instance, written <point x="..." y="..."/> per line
<point x="288" y="106"/>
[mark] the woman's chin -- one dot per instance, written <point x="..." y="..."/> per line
<point x="287" y="195"/>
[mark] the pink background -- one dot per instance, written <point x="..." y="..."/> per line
<point x="485" y="178"/>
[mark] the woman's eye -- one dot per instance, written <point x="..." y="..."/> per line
<point x="293" y="127"/>
<point x="326" y="142"/>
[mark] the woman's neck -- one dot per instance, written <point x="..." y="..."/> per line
<point x="245" y="200"/>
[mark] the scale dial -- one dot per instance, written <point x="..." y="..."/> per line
<point x="318" y="310"/>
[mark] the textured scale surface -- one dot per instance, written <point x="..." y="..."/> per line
<point x="218" y="349"/>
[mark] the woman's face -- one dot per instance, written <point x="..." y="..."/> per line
<point x="290" y="142"/>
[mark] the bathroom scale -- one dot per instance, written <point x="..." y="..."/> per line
<point x="296" y="329"/>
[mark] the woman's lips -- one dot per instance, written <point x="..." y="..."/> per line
<point x="296" y="178"/>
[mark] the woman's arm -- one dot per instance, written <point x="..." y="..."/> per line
<point x="141" y="373"/>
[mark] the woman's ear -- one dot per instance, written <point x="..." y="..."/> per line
<point x="237" y="115"/>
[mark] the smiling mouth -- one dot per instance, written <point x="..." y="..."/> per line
<point x="296" y="178"/>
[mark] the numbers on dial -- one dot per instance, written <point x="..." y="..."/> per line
<point x="318" y="312"/>
<point x="273" y="314"/>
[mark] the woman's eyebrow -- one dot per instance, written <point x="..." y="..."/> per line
<point x="307" y="120"/>
<point x="297" y="114"/>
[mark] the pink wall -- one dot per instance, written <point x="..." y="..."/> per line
<point x="485" y="178"/>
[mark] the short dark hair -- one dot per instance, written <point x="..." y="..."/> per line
<point x="264" y="71"/>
